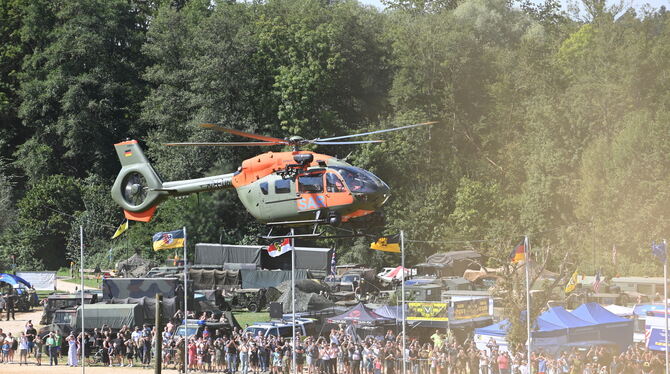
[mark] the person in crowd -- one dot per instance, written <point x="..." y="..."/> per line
<point x="51" y="349"/>
<point x="72" y="351"/>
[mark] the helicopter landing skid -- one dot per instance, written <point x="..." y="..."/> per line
<point x="314" y="234"/>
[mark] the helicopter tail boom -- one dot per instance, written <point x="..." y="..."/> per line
<point x="138" y="189"/>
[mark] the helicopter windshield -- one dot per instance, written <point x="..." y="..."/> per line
<point x="359" y="180"/>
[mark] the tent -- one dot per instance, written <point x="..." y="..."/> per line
<point x="451" y="263"/>
<point x="577" y="330"/>
<point x="13" y="280"/>
<point x="393" y="312"/>
<point x="621" y="311"/>
<point x="496" y="332"/>
<point x="304" y="301"/>
<point x="360" y="315"/>
<point x="612" y="328"/>
<point x="396" y="274"/>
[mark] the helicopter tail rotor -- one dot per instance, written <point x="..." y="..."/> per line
<point x="137" y="188"/>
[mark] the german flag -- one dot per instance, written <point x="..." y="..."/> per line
<point x="519" y="252"/>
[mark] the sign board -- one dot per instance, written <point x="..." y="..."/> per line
<point x="427" y="311"/>
<point x="40" y="280"/>
<point x="655" y="339"/>
<point x="473" y="308"/>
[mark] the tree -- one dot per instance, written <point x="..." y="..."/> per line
<point x="80" y="88"/>
<point x="46" y="215"/>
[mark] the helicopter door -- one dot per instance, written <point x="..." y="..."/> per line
<point x="310" y="187"/>
<point x="336" y="190"/>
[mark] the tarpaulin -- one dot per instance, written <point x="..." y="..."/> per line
<point x="40" y="280"/>
<point x="219" y="254"/>
<point x="138" y="287"/>
<point x="305" y="258"/>
<point x="148" y="306"/>
<point x="114" y="315"/>
<point x="210" y="279"/>
<point x="268" y="278"/>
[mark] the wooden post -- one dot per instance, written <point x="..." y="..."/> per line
<point x="159" y="334"/>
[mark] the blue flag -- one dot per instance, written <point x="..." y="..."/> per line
<point x="659" y="250"/>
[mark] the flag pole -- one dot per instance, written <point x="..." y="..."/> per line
<point x="665" y="301"/>
<point x="293" y="347"/>
<point x="527" y="260"/>
<point x="81" y="274"/>
<point x="402" y="305"/>
<point x="185" y="307"/>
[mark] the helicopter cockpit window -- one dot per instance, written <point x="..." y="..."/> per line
<point x="334" y="183"/>
<point x="359" y="180"/>
<point x="311" y="183"/>
<point x="264" y="188"/>
<point x="282" y="186"/>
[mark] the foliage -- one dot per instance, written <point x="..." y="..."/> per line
<point x="550" y="125"/>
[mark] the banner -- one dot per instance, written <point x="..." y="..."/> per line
<point x="474" y="308"/>
<point x="427" y="311"/>
<point x="655" y="339"/>
<point x="40" y="280"/>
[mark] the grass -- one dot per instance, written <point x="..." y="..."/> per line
<point x="95" y="283"/>
<point x="248" y="318"/>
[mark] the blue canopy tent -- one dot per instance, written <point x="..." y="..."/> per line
<point x="577" y="329"/>
<point x="612" y="328"/>
<point x="496" y="332"/>
<point x="13" y="280"/>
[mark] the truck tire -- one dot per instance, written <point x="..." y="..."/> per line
<point x="253" y="307"/>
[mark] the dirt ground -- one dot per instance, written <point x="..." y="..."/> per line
<point x="19" y="325"/>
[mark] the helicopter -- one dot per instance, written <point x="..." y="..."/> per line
<point x="280" y="189"/>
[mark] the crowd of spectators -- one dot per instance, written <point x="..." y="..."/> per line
<point x="338" y="351"/>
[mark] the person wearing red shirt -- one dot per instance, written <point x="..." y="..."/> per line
<point x="503" y="363"/>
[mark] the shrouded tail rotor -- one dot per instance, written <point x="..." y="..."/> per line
<point x="137" y="189"/>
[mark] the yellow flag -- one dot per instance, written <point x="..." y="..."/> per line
<point x="572" y="283"/>
<point x="121" y="230"/>
<point x="383" y="245"/>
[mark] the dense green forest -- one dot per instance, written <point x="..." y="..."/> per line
<point x="551" y="123"/>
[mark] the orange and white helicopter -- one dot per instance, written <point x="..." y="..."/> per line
<point x="287" y="189"/>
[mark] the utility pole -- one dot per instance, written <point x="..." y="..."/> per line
<point x="159" y="336"/>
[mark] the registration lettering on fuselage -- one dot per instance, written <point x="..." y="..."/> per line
<point x="311" y="202"/>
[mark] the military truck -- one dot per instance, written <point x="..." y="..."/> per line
<point x="251" y="299"/>
<point x="95" y="316"/>
<point x="63" y="301"/>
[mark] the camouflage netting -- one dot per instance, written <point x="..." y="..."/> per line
<point x="304" y="301"/>
<point x="305" y="285"/>
<point x="135" y="266"/>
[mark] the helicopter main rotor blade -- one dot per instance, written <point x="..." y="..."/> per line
<point x="377" y="131"/>
<point x="226" y="144"/>
<point x="242" y="133"/>
<point x="346" y="143"/>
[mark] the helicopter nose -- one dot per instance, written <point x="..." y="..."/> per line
<point x="379" y="197"/>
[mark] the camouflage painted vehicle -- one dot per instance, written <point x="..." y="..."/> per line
<point x="63" y="301"/>
<point x="251" y="299"/>
<point x="136" y="288"/>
